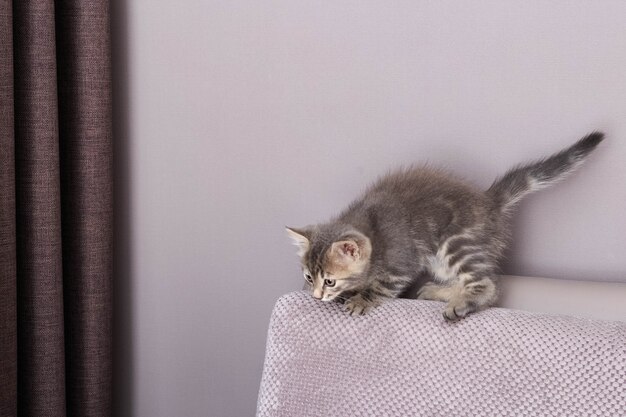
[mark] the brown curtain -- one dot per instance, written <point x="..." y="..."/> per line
<point x="55" y="208"/>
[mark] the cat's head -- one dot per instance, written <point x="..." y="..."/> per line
<point x="333" y="259"/>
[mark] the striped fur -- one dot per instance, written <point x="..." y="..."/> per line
<point x="420" y="221"/>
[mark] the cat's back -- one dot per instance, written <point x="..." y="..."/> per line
<point x="422" y="203"/>
<point x="424" y="183"/>
<point x="416" y="195"/>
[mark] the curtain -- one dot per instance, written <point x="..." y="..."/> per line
<point x="55" y="208"/>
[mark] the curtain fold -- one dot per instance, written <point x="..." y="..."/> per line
<point x="41" y="356"/>
<point x="8" y="307"/>
<point x="56" y="208"/>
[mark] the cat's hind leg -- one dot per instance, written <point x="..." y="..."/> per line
<point x="475" y="291"/>
<point x="464" y="267"/>
<point x="462" y="299"/>
<point x="437" y="292"/>
<point x="466" y="273"/>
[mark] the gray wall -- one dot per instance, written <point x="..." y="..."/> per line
<point x="245" y="116"/>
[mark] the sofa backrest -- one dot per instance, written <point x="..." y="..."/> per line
<point x="403" y="359"/>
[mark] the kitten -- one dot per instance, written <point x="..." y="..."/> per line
<point x="424" y="220"/>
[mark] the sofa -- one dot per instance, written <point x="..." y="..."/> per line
<point x="404" y="359"/>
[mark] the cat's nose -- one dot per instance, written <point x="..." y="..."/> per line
<point x="317" y="294"/>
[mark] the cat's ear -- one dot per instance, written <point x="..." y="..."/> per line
<point x="301" y="238"/>
<point x="345" y="251"/>
<point x="351" y="253"/>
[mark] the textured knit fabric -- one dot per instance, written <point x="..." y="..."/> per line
<point x="403" y="359"/>
<point x="55" y="208"/>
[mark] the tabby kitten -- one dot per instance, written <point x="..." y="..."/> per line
<point x="424" y="220"/>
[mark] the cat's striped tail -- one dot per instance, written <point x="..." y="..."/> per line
<point x="524" y="179"/>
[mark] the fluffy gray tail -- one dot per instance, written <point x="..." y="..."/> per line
<point x="524" y="179"/>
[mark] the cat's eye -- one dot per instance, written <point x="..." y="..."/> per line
<point x="329" y="282"/>
<point x="308" y="278"/>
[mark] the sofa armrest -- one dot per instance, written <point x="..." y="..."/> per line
<point x="403" y="359"/>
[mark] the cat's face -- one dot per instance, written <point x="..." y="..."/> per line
<point x="331" y="265"/>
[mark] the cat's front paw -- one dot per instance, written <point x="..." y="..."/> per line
<point x="359" y="305"/>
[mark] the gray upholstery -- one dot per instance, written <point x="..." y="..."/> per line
<point x="403" y="359"/>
